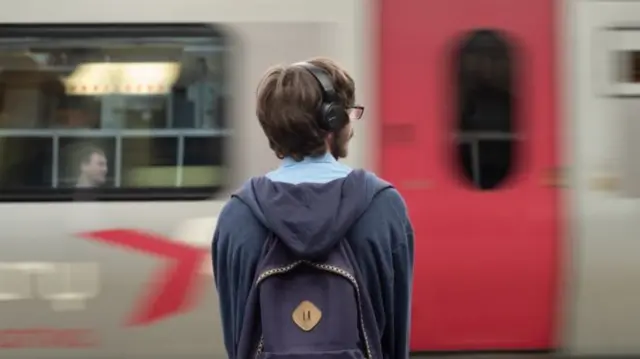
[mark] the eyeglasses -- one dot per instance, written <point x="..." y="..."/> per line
<point x="355" y="112"/>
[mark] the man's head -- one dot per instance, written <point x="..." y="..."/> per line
<point x="289" y="108"/>
<point x="93" y="166"/>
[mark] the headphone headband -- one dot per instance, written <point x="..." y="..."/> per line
<point x="332" y="115"/>
<point x="324" y="80"/>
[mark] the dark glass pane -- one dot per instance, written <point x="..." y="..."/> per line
<point x="203" y="160"/>
<point x="143" y="112"/>
<point x="495" y="162"/>
<point x="113" y="84"/>
<point x="149" y="161"/>
<point x="75" y="96"/>
<point x="485" y="118"/>
<point x="76" y="112"/>
<point x="465" y="154"/>
<point x="184" y="110"/>
<point x="25" y="162"/>
<point x="629" y="70"/>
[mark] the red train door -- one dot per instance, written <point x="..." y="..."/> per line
<point x="467" y="93"/>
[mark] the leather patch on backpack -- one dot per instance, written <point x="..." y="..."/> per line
<point x="306" y="315"/>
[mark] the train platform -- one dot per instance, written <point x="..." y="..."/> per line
<point x="487" y="356"/>
<point x="499" y="356"/>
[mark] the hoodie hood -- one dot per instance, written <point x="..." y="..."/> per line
<point x="311" y="218"/>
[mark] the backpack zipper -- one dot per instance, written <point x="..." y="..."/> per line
<point x="328" y="268"/>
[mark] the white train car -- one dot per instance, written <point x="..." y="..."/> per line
<point x="155" y="76"/>
<point x="603" y="93"/>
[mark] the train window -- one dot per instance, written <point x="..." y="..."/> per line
<point x="123" y="113"/>
<point x="629" y="69"/>
<point x="485" y="138"/>
<point x="628" y="161"/>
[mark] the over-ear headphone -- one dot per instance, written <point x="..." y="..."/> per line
<point x="332" y="114"/>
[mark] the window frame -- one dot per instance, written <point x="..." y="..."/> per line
<point x="607" y="43"/>
<point x="114" y="31"/>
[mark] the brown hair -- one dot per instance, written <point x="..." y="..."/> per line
<point x="288" y="105"/>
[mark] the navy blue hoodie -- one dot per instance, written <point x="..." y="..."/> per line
<point x="310" y="219"/>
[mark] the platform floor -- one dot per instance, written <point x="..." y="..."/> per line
<point x="493" y="356"/>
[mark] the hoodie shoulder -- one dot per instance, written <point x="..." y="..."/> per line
<point x="371" y="181"/>
<point x="238" y="238"/>
<point x="236" y="217"/>
<point x="379" y="181"/>
<point x="387" y="210"/>
<point x="386" y="195"/>
<point x="244" y="188"/>
<point x="380" y="185"/>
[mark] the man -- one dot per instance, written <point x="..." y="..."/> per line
<point x="314" y="211"/>
<point x="93" y="168"/>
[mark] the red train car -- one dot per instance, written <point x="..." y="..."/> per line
<point x="471" y="140"/>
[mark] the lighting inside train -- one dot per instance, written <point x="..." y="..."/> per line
<point x="138" y="78"/>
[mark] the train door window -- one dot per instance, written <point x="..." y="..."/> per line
<point x="127" y="112"/>
<point x="616" y="64"/>
<point x="629" y="66"/>
<point x="485" y="138"/>
<point x="627" y="107"/>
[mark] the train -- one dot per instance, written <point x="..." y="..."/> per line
<point x="508" y="126"/>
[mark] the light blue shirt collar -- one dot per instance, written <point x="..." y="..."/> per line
<point x="326" y="158"/>
<point x="319" y="169"/>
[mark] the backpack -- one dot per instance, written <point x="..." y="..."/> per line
<point x="309" y="309"/>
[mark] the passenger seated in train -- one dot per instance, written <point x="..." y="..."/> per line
<point x="92" y="167"/>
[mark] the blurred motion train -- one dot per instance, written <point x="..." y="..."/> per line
<point x="508" y="126"/>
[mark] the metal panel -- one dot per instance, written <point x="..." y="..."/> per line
<point x="606" y="246"/>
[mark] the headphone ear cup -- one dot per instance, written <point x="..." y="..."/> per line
<point x="327" y="118"/>
<point x="334" y="117"/>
